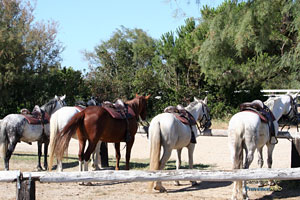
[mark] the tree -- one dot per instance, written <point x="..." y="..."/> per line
<point x="27" y="51"/>
<point x="116" y="64"/>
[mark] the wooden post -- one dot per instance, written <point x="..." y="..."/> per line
<point x="295" y="155"/>
<point x="104" y="155"/>
<point x="25" y="189"/>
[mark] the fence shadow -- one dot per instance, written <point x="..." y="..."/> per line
<point x="288" y="189"/>
<point x="202" y="186"/>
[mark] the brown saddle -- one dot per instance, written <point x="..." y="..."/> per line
<point x="264" y="113"/>
<point x="37" y="119"/>
<point x="180" y="113"/>
<point x="118" y="110"/>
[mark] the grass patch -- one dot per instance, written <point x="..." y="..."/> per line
<point x="219" y="123"/>
<point x="72" y="161"/>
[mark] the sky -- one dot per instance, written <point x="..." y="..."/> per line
<point x="84" y="24"/>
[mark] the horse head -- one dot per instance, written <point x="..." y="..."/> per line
<point x="204" y="116"/>
<point x="139" y="105"/>
<point x="54" y="104"/>
<point x="291" y="110"/>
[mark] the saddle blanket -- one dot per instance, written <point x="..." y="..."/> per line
<point x="120" y="113"/>
<point x="31" y="119"/>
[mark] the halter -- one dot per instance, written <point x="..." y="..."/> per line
<point x="204" y="119"/>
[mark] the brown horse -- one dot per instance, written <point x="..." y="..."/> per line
<point x="94" y="124"/>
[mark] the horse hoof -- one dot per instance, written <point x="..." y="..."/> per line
<point x="176" y="183"/>
<point x="161" y="189"/>
<point x="39" y="169"/>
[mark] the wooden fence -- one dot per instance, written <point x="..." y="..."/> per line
<point x="25" y="182"/>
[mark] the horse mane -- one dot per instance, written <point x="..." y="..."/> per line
<point x="49" y="105"/>
<point x="193" y="104"/>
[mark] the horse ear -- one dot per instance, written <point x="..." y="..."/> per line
<point x="56" y="97"/>
<point x="195" y="99"/>
<point x="205" y="100"/>
<point x="147" y="97"/>
<point x="63" y="97"/>
<point x="136" y="95"/>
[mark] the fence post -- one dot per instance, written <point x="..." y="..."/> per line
<point x="295" y="155"/>
<point x="25" y="189"/>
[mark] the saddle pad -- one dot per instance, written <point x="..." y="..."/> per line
<point x="119" y="114"/>
<point x="33" y="120"/>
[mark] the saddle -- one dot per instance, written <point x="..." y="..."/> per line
<point x="37" y="116"/>
<point x="118" y="110"/>
<point x="264" y="113"/>
<point x="184" y="116"/>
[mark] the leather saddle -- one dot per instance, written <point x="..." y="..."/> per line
<point x="183" y="115"/>
<point x="118" y="110"/>
<point x="264" y="113"/>
<point x="37" y="116"/>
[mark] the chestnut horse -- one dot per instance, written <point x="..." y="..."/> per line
<point x="94" y="124"/>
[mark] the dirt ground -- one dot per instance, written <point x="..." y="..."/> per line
<point x="210" y="151"/>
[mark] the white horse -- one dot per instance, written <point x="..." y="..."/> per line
<point x="169" y="132"/>
<point x="57" y="122"/>
<point x="247" y="131"/>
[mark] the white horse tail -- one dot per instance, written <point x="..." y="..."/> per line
<point x="155" y="147"/>
<point x="3" y="139"/>
<point x="54" y="130"/>
<point x="236" y="145"/>
<point x="235" y="134"/>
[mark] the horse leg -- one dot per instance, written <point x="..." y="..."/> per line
<point x="10" y="150"/>
<point x="191" y="148"/>
<point x="81" y="153"/>
<point x="39" y="167"/>
<point x="260" y="163"/>
<point x="46" y="144"/>
<point x="249" y="149"/>
<point x="118" y="155"/>
<point x="163" y="161"/>
<point x="128" y="152"/>
<point x="178" y="164"/>
<point x="270" y="160"/>
<point x="96" y="157"/>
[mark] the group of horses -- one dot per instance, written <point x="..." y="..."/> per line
<point x="246" y="132"/>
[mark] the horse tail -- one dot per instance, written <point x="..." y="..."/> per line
<point x="62" y="140"/>
<point x="235" y="136"/>
<point x="3" y="139"/>
<point x="155" y="147"/>
<point x="54" y="130"/>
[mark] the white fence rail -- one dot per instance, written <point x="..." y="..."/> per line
<point x="26" y="180"/>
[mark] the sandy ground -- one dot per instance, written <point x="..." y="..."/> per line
<point x="211" y="151"/>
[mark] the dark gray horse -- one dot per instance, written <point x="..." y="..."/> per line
<point x="15" y="128"/>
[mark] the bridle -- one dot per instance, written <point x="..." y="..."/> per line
<point x="205" y="119"/>
<point x="293" y="111"/>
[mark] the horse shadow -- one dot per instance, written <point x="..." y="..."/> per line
<point x="201" y="186"/>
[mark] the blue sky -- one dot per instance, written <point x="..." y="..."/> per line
<point x="83" y="24"/>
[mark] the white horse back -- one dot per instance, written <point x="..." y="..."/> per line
<point x="173" y="132"/>
<point x="248" y="126"/>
